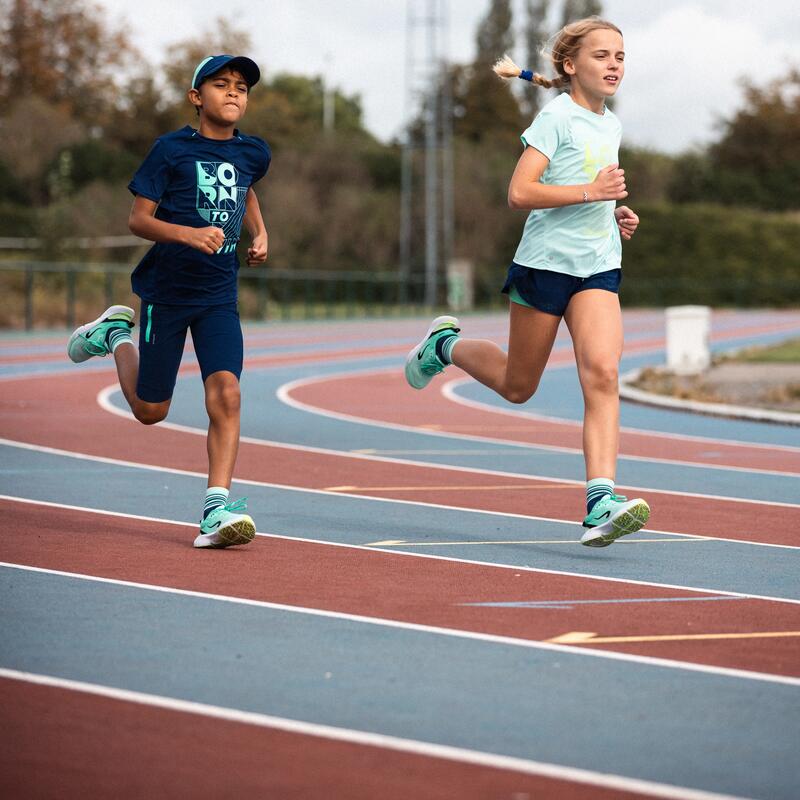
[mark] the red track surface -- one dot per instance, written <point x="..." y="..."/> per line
<point x="385" y="397"/>
<point x="38" y="418"/>
<point x="66" y="744"/>
<point x="400" y="587"/>
<point x="69" y="744"/>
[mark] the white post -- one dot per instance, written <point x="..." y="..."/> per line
<point x="688" y="329"/>
<point x="460" y="284"/>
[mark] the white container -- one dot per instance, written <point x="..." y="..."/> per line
<point x="688" y="330"/>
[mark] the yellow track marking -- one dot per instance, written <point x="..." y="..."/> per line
<point x="586" y="637"/>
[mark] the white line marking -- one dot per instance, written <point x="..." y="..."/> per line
<point x="355" y="496"/>
<point x="413" y="554"/>
<point x="284" y="395"/>
<point x="368" y="739"/>
<point x="448" y="391"/>
<point x="417" y="627"/>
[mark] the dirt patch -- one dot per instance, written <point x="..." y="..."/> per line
<point x="771" y="386"/>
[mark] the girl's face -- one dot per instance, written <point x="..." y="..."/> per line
<point x="600" y="63"/>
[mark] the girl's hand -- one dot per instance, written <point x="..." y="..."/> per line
<point x="627" y="221"/>
<point x="609" y="184"/>
<point x="257" y="252"/>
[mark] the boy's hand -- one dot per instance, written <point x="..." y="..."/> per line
<point x="206" y="240"/>
<point x="627" y="221"/>
<point x="257" y="252"/>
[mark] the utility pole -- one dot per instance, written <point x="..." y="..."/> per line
<point x="427" y="95"/>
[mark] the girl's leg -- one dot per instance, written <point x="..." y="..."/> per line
<point x="594" y="320"/>
<point x="223" y="401"/>
<point x="515" y="376"/>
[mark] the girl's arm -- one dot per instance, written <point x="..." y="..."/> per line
<point x="257" y="252"/>
<point x="627" y="221"/>
<point x="526" y="191"/>
<point x="142" y="222"/>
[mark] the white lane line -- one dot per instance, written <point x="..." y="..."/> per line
<point x="450" y="387"/>
<point x="284" y="395"/>
<point x="290" y="488"/>
<point x="413" y="554"/>
<point x="456" y="633"/>
<point x="448" y="390"/>
<point x="369" y="739"/>
<point x="356" y="495"/>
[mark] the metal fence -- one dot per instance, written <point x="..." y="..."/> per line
<point x="59" y="293"/>
<point x="40" y="294"/>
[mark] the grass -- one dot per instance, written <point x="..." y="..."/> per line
<point x="784" y="353"/>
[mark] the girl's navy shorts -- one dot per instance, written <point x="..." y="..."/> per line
<point x="216" y="335"/>
<point x="551" y="291"/>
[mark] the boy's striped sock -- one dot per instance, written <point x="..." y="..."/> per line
<point x="444" y="347"/>
<point x="216" y="496"/>
<point x="597" y="489"/>
<point x="117" y="336"/>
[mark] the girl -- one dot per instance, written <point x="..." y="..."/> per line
<point x="568" y="264"/>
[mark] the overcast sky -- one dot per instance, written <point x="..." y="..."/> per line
<point x="685" y="58"/>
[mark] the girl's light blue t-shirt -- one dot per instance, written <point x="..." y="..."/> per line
<point x="582" y="239"/>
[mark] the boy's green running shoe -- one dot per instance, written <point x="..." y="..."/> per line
<point x="614" y="516"/>
<point x="90" y="339"/>
<point x="422" y="363"/>
<point x="226" y="525"/>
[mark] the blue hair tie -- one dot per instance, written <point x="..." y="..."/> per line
<point x="526" y="75"/>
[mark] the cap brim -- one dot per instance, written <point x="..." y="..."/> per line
<point x="249" y="69"/>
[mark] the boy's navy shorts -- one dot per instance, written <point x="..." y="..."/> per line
<point x="551" y="291"/>
<point x="216" y="335"/>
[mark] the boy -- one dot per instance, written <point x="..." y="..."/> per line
<point x="191" y="195"/>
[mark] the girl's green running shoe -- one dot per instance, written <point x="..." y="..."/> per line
<point x="90" y="339"/>
<point x="226" y="525"/>
<point x="422" y="363"/>
<point x="614" y="516"/>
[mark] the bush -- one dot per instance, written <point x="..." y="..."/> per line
<point x="712" y="255"/>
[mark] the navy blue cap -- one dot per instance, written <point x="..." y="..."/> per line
<point x="213" y="64"/>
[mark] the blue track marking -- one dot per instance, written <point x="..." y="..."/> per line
<point x="713" y="732"/>
<point x="568" y="604"/>
<point x="710" y="565"/>
<point x="265" y="417"/>
<point x="559" y="396"/>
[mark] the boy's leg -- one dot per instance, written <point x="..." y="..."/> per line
<point x="594" y="320"/>
<point x="126" y="357"/>
<point x="110" y="333"/>
<point x="217" y="337"/>
<point x="223" y="401"/>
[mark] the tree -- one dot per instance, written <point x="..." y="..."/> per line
<point x="535" y="38"/>
<point x="756" y="162"/>
<point x="485" y="107"/>
<point x="580" y="9"/>
<point x="63" y="52"/>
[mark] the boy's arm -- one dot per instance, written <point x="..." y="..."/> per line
<point x="257" y="252"/>
<point x="142" y="222"/>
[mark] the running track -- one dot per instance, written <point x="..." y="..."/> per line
<point x="416" y="618"/>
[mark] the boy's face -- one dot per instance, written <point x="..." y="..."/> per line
<point x="222" y="98"/>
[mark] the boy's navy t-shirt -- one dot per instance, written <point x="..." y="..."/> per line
<point x="197" y="182"/>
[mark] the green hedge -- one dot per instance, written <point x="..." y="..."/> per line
<point x="712" y="255"/>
